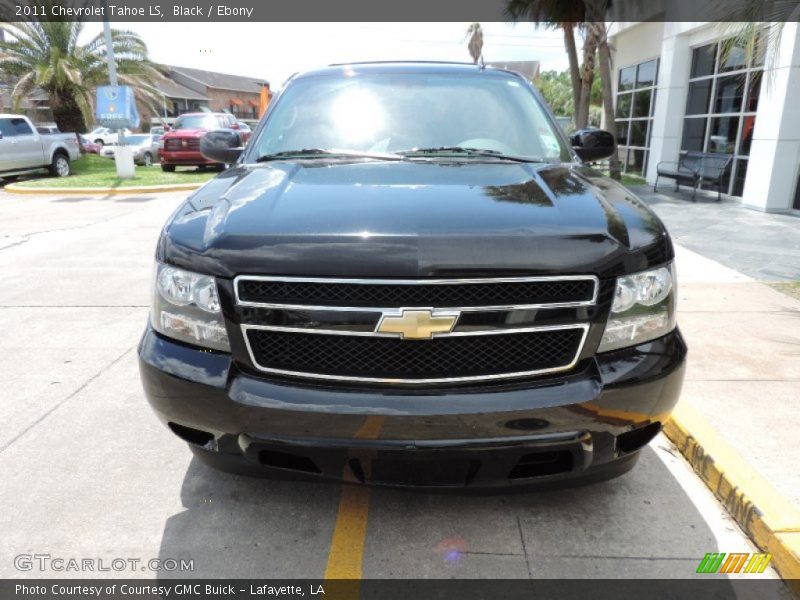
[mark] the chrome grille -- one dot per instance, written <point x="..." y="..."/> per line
<point x="182" y="144"/>
<point x="523" y="292"/>
<point x="463" y="358"/>
<point x="344" y="349"/>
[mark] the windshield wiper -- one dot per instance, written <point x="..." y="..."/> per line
<point x="450" y="150"/>
<point x="319" y="152"/>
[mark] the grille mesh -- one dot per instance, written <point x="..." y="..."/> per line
<point x="394" y="295"/>
<point x="177" y="144"/>
<point x="393" y="358"/>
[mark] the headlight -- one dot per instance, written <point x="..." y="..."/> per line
<point x="160" y="144"/>
<point x="186" y="308"/>
<point x="643" y="309"/>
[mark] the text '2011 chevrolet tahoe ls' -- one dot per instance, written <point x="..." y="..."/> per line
<point x="409" y="277"/>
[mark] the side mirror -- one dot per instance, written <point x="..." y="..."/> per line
<point x="592" y="144"/>
<point x="222" y="145"/>
<point x="167" y="128"/>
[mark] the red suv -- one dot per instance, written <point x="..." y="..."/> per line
<point x="181" y="145"/>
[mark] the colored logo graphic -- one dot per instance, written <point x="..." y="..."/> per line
<point x="720" y="562"/>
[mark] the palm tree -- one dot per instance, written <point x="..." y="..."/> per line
<point x="557" y="14"/>
<point x="587" y="16"/>
<point x="475" y="45"/>
<point x="47" y="55"/>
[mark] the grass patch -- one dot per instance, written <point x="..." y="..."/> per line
<point x="629" y="179"/>
<point x="790" y="288"/>
<point x="94" y="171"/>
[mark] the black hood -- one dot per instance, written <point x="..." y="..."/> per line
<point x="413" y="219"/>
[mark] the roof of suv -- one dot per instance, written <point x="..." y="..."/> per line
<point x="405" y="67"/>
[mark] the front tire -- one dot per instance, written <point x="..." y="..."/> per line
<point x="147" y="159"/>
<point x="168" y="168"/>
<point x="60" y="166"/>
<point x="99" y="142"/>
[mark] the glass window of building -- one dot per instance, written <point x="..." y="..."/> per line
<point x="636" y="92"/>
<point x="724" y="85"/>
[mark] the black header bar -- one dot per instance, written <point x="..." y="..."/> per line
<point x="376" y="10"/>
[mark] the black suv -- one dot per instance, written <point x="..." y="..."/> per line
<point x="410" y="277"/>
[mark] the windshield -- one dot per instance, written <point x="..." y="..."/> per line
<point x="388" y="113"/>
<point x="197" y="122"/>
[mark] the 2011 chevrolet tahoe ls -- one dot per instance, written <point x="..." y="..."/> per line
<point x="409" y="277"/>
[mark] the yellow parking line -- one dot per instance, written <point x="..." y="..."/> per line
<point x="350" y="532"/>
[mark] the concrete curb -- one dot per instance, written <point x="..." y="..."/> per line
<point x="14" y="188"/>
<point x="769" y="519"/>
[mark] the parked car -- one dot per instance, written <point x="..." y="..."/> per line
<point x="145" y="148"/>
<point x="180" y="146"/>
<point x="89" y="146"/>
<point x="24" y="150"/>
<point x="411" y="276"/>
<point x="103" y="135"/>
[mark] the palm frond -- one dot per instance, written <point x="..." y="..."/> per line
<point x="48" y="55"/>
<point x="22" y="89"/>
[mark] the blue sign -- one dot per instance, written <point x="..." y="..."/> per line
<point x="116" y="107"/>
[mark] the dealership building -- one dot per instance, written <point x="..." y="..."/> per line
<point x="675" y="90"/>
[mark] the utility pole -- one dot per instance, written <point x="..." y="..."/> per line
<point x="112" y="64"/>
<point x="122" y="158"/>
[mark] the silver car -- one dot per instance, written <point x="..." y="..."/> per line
<point x="145" y="148"/>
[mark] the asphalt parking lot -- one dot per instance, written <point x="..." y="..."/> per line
<point x="88" y="471"/>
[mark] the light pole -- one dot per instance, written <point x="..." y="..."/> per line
<point x="112" y="65"/>
<point x="121" y="158"/>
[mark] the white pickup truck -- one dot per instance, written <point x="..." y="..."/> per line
<point x="23" y="149"/>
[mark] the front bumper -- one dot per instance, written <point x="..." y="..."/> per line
<point x="582" y="426"/>
<point x="183" y="157"/>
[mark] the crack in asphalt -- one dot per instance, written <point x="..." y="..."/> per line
<point x="27" y="236"/>
<point x="524" y="548"/>
<point x="616" y="557"/>
<point x="74" y="393"/>
<point x="74" y="306"/>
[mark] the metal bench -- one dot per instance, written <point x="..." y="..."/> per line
<point x="695" y="169"/>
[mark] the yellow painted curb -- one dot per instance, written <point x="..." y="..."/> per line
<point x="771" y="521"/>
<point x="143" y="189"/>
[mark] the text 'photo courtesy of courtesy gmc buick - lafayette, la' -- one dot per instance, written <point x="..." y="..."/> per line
<point x="410" y="277"/>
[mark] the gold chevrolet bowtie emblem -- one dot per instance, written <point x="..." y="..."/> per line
<point x="417" y="324"/>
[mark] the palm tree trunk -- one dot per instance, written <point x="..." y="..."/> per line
<point x="66" y="114"/>
<point x="587" y="78"/>
<point x="574" y="67"/>
<point x="604" y="58"/>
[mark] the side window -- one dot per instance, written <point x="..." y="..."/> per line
<point x="21" y="127"/>
<point x="6" y="128"/>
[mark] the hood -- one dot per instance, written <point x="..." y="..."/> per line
<point x="413" y="219"/>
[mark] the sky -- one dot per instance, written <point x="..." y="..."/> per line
<point x="274" y="51"/>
